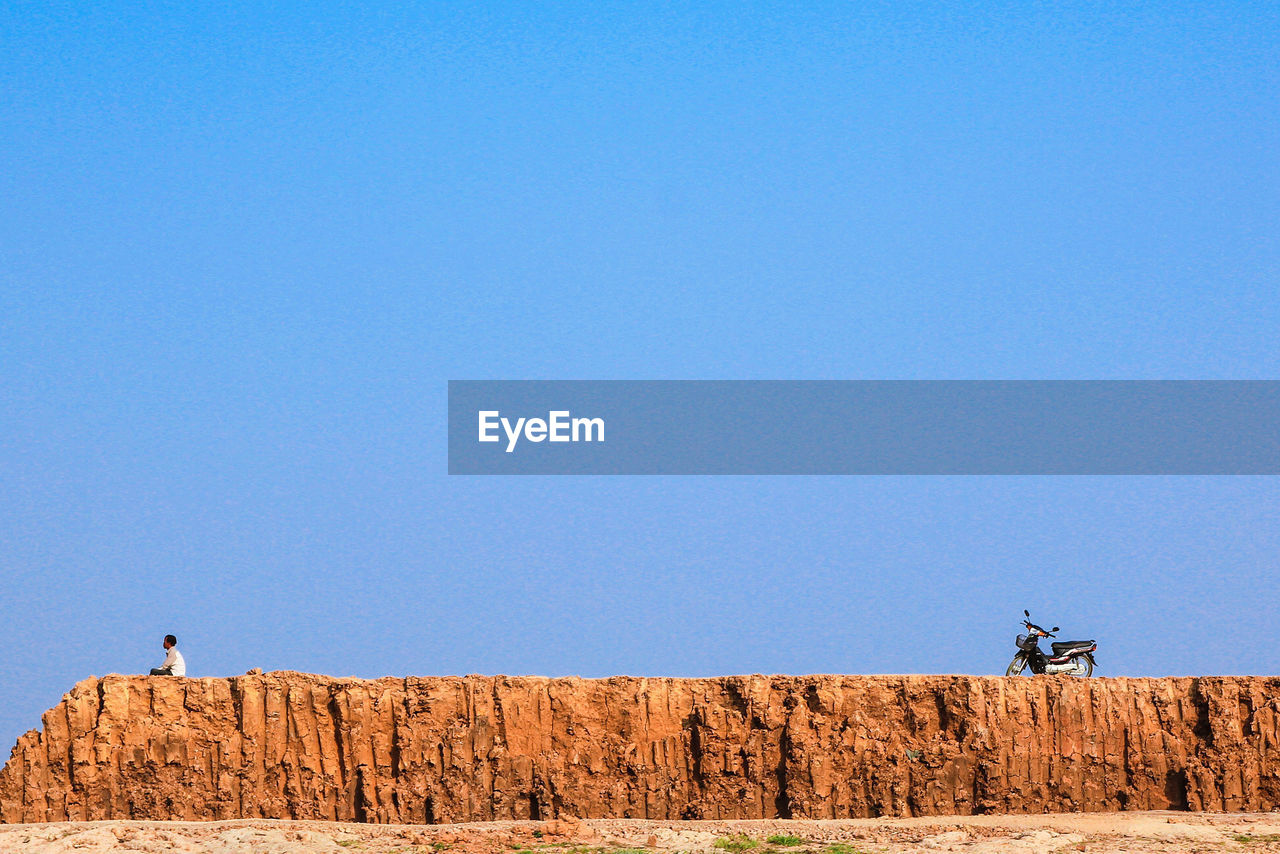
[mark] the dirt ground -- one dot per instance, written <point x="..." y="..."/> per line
<point x="1131" y="833"/>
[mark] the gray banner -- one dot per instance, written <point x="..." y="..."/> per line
<point x="864" y="427"/>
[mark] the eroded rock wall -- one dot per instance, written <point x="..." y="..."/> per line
<point x="291" y="745"/>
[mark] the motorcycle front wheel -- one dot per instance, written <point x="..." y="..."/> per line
<point x="1016" y="666"/>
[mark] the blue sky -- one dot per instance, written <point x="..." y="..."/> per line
<point x="244" y="248"/>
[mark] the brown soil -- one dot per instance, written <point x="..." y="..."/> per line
<point x="1131" y="833"/>
<point x="477" y="748"/>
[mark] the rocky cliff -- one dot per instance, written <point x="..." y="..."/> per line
<point x="290" y="745"/>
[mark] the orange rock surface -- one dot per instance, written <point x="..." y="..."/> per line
<point x="292" y="745"/>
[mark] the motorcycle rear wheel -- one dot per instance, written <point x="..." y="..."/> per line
<point x="1016" y="666"/>
<point x="1088" y="667"/>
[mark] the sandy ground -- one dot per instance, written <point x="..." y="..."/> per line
<point x="1131" y="833"/>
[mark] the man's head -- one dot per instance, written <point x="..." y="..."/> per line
<point x="170" y="641"/>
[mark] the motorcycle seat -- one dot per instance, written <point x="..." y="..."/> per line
<point x="1060" y="647"/>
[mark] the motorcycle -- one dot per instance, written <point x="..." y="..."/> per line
<point x="1070" y="658"/>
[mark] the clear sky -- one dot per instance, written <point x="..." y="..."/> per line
<point x="244" y="246"/>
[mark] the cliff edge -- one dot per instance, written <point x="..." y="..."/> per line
<point x="435" y="749"/>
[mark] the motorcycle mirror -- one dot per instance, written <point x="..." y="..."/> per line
<point x="1026" y="613"/>
<point x="1054" y="629"/>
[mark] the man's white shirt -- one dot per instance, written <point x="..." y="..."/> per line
<point x="174" y="664"/>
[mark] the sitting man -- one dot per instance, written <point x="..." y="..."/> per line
<point x="173" y="663"/>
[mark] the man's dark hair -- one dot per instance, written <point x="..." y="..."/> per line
<point x="171" y="640"/>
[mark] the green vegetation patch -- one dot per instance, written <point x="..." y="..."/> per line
<point x="737" y="842"/>
<point x="783" y="840"/>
